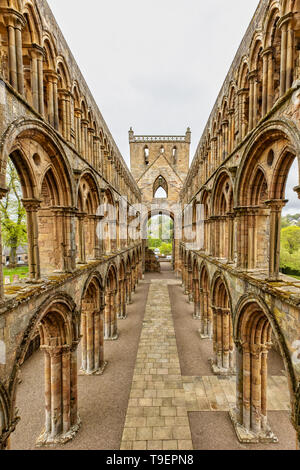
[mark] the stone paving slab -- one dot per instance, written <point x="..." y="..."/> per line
<point x="219" y="393"/>
<point x="157" y="417"/>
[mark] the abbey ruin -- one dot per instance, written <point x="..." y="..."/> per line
<point x="87" y="276"/>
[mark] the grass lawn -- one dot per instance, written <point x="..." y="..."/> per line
<point x="22" y="271"/>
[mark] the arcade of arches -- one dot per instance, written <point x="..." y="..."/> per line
<point x="217" y="352"/>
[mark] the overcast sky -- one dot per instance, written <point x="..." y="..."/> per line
<point x="154" y="65"/>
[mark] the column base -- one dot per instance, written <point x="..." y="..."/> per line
<point x="220" y="370"/>
<point x="122" y="317"/>
<point x="46" y="440"/>
<point x="112" y="338"/>
<point x="202" y="335"/>
<point x="249" y="437"/>
<point x="99" y="371"/>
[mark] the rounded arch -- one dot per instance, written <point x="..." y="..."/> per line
<point x="266" y="134"/>
<point x="60" y="303"/>
<point x="89" y="191"/>
<point x="46" y="137"/>
<point x="254" y="328"/>
<point x="94" y="277"/>
<point x="254" y="301"/>
<point x="222" y="193"/>
<point x="220" y="293"/>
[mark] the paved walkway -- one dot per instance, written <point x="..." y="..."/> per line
<point x="157" y="417"/>
<point x="219" y="393"/>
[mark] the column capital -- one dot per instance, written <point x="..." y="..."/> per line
<point x="32" y="205"/>
<point x="13" y="18"/>
<point x="267" y="51"/>
<point x="285" y="20"/>
<point x="36" y="51"/>
<point x="297" y="190"/>
<point x="276" y="204"/>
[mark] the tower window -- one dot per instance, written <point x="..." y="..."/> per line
<point x="146" y="155"/>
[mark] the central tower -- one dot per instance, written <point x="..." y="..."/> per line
<point x="160" y="165"/>
<point x="160" y="162"/>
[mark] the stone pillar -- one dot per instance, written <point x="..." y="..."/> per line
<point x="81" y="239"/>
<point x="196" y="299"/>
<point x="223" y="363"/>
<point x="32" y="206"/>
<point x="276" y="207"/>
<point x="40" y="61"/>
<point x="93" y="362"/>
<point x="61" y="425"/>
<point x="250" y="414"/>
<point x="190" y="285"/>
<point x="128" y="288"/>
<point x="77" y="113"/>
<point x="110" y="317"/>
<point x="122" y="293"/>
<point x="34" y="78"/>
<point x="287" y="53"/>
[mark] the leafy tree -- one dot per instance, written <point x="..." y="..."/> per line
<point x="166" y="248"/>
<point x="290" y="239"/>
<point x="13" y="215"/>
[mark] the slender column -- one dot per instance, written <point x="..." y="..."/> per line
<point x="256" y="388"/>
<point x="55" y="102"/>
<point x="81" y="238"/>
<point x="246" y="387"/>
<point x="47" y="391"/>
<point x="12" y="54"/>
<point x="34" y="79"/>
<point x="19" y="55"/>
<point x="276" y="207"/>
<point x="270" y="81"/>
<point x="283" y="58"/>
<point x="239" y="383"/>
<point x="66" y="391"/>
<point x="32" y="207"/>
<point x="196" y="299"/>
<point x="41" y="83"/>
<point x="50" y="99"/>
<point x="290" y="55"/>
<point x="265" y="83"/>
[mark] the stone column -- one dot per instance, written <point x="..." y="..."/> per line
<point x="276" y="207"/>
<point x="110" y="320"/>
<point x="223" y="364"/>
<point x="283" y="57"/>
<point x="196" y="299"/>
<point x="77" y="113"/>
<point x="84" y="144"/>
<point x="129" y="288"/>
<point x="32" y="207"/>
<point x="81" y="238"/>
<point x="93" y="362"/>
<point x="190" y="285"/>
<point x="252" y="98"/>
<point x="290" y="54"/>
<point x="60" y="399"/>
<point x="34" y="78"/>
<point x="40" y="61"/>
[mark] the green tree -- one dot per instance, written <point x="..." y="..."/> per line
<point x="13" y="215"/>
<point x="166" y="249"/>
<point x="290" y="239"/>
